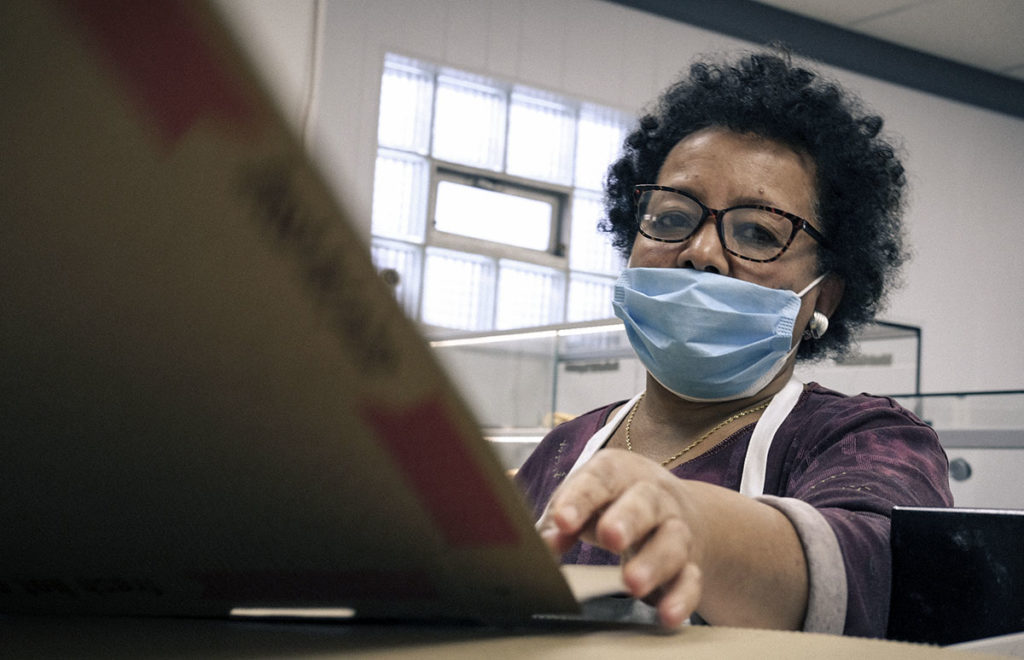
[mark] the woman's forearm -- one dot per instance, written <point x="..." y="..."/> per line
<point x="753" y="564"/>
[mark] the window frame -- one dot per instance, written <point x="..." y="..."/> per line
<point x="562" y="196"/>
<point x="556" y="254"/>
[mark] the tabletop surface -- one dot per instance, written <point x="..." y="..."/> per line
<point x="41" y="637"/>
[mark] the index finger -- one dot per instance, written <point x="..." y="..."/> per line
<point x="579" y="500"/>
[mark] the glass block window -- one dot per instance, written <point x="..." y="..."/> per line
<point x="487" y="197"/>
<point x="590" y="250"/>
<point x="400" y="191"/>
<point x="590" y="297"/>
<point x="541" y="138"/>
<point x="400" y="263"/>
<point x="458" y="290"/>
<point x="529" y="295"/>
<point x="406" y="96"/>
<point x="469" y="122"/>
<point x="599" y="137"/>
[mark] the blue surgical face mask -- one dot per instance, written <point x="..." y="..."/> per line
<point x="707" y="337"/>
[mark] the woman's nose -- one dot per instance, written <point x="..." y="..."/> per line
<point x="704" y="249"/>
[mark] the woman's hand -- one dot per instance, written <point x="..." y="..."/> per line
<point x="632" y="506"/>
<point x="684" y="544"/>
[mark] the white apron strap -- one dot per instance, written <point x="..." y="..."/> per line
<point x="756" y="462"/>
<point x="601" y="437"/>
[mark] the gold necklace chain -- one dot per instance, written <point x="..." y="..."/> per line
<point x="667" y="461"/>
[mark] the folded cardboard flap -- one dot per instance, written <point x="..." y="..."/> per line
<point x="587" y="582"/>
<point x="209" y="399"/>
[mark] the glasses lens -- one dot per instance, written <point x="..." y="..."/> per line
<point x="668" y="216"/>
<point x="756" y="233"/>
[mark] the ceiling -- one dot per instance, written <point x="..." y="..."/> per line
<point x="987" y="34"/>
<point x="966" y="50"/>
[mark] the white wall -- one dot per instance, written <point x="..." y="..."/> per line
<point x="280" y="39"/>
<point x="966" y="164"/>
<point x="964" y="284"/>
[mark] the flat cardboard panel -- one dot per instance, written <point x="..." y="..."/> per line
<point x="208" y="399"/>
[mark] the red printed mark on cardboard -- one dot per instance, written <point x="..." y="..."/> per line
<point x="432" y="455"/>
<point x="161" y="54"/>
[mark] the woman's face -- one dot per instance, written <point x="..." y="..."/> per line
<point x="722" y="168"/>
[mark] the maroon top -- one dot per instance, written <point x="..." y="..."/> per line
<point x="851" y="457"/>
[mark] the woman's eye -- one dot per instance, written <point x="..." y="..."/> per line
<point x="673" y="221"/>
<point x="753" y="233"/>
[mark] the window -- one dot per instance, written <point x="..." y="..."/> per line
<point x="501" y="214"/>
<point x="487" y="197"/>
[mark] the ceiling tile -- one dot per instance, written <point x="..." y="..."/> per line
<point x="986" y="33"/>
<point x="1016" y="72"/>
<point x="840" y="13"/>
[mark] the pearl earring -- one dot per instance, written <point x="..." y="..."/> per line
<point x="818" y="325"/>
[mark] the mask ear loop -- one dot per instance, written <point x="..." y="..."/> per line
<point x="818" y="325"/>
<point x="813" y="284"/>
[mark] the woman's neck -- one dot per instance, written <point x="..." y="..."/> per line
<point x="663" y="408"/>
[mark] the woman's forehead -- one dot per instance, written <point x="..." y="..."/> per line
<point x="738" y="168"/>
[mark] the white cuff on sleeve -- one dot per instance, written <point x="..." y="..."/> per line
<point x="826" y="572"/>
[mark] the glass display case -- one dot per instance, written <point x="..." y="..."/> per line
<point x="983" y="434"/>
<point x="521" y="383"/>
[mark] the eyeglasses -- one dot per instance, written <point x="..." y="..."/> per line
<point x="749" y="231"/>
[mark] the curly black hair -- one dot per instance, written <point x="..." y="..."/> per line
<point x="860" y="181"/>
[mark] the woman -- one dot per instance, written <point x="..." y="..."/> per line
<point x="760" y="213"/>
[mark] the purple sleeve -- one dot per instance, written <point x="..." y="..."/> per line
<point x="853" y="459"/>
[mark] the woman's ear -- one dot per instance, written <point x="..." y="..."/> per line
<point x="830" y="292"/>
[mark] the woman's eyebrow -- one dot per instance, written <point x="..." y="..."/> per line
<point x="743" y="200"/>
